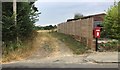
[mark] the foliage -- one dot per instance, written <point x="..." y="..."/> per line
<point x="26" y="17"/>
<point x="8" y="28"/>
<point x="111" y="22"/>
<point x="109" y="46"/>
<point x="103" y="33"/>
<point x="78" y="16"/>
<point x="45" y="27"/>
<point x="26" y="21"/>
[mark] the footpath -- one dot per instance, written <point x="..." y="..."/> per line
<point x="103" y="57"/>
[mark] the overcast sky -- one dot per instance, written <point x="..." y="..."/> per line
<point x="57" y="11"/>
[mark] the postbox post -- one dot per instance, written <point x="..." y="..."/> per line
<point x="96" y="44"/>
<point x="97" y="35"/>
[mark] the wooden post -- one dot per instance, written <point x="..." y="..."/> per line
<point x="15" y="15"/>
<point x="14" y="10"/>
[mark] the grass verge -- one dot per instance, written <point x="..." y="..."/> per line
<point x="72" y="43"/>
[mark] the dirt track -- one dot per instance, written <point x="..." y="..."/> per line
<point x="51" y="50"/>
<point x="49" y="46"/>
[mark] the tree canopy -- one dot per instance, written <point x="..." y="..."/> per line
<point x="49" y="27"/>
<point x="26" y="17"/>
<point x="111" y="22"/>
<point x="78" y="16"/>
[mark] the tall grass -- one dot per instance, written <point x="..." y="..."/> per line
<point x="12" y="51"/>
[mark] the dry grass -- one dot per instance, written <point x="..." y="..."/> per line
<point x="44" y="30"/>
<point x="20" y="53"/>
<point x="43" y="40"/>
<point x="45" y="44"/>
<point x="47" y="30"/>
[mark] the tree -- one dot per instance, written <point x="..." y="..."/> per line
<point x="78" y="16"/>
<point x="55" y="26"/>
<point x="26" y="20"/>
<point x="8" y="27"/>
<point x="111" y="24"/>
<point x="26" y="17"/>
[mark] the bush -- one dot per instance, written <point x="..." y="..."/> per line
<point x="110" y="46"/>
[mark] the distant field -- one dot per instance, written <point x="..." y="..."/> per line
<point x="43" y="30"/>
<point x="46" y="30"/>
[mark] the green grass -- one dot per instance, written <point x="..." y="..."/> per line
<point x="73" y="44"/>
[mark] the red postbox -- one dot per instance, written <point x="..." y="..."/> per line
<point x="97" y="32"/>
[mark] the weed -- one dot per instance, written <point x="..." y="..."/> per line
<point x="109" y="46"/>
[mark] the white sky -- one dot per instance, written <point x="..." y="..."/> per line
<point x="78" y="0"/>
<point x="56" y="11"/>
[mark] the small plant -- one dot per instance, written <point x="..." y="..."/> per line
<point x="109" y="46"/>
